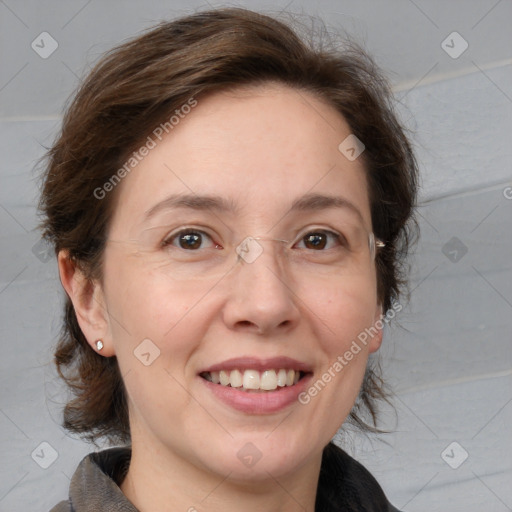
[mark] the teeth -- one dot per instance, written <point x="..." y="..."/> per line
<point x="281" y="378"/>
<point x="224" y="378"/>
<point x="236" y="379"/>
<point x="253" y="379"/>
<point x="268" y="380"/>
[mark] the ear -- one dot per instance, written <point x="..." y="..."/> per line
<point x="89" y="303"/>
<point x="378" y="324"/>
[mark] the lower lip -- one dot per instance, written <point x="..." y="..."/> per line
<point x="258" y="403"/>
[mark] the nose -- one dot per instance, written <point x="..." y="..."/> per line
<point x="261" y="294"/>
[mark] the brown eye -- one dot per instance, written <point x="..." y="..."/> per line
<point x="315" y="240"/>
<point x="189" y="240"/>
<point x="320" y="240"/>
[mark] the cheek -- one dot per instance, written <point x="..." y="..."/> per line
<point x="146" y="303"/>
<point x="153" y="335"/>
<point x="149" y="301"/>
<point x="343" y="307"/>
<point x="341" y="313"/>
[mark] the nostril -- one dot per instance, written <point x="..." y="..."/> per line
<point x="244" y="323"/>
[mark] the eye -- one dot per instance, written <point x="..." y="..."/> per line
<point x="190" y="239"/>
<point x="321" y="239"/>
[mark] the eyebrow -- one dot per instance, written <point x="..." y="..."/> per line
<point x="317" y="202"/>
<point x="192" y="202"/>
<point x="308" y="202"/>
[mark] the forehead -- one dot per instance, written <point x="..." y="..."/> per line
<point x="261" y="148"/>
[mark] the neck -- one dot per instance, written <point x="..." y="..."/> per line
<point x="159" y="480"/>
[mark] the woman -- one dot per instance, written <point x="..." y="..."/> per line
<point x="230" y="210"/>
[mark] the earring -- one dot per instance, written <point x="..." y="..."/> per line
<point x="99" y="345"/>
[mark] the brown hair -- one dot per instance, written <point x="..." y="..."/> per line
<point x="137" y="86"/>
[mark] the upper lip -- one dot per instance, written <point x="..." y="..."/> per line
<point x="256" y="363"/>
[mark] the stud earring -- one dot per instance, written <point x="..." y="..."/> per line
<point x="99" y="345"/>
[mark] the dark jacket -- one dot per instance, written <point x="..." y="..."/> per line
<point x="344" y="485"/>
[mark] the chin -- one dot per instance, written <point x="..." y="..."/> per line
<point x="259" y="459"/>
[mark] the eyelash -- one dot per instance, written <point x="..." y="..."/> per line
<point x="169" y="240"/>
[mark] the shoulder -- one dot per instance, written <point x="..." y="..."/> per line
<point x="95" y="483"/>
<point x="63" y="506"/>
<point x="346" y="484"/>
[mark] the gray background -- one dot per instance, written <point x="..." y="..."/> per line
<point x="449" y="360"/>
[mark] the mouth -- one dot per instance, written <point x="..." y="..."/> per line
<point x="252" y="380"/>
<point x="257" y="386"/>
<point x="255" y="375"/>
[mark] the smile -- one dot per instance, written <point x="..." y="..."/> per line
<point x="255" y="385"/>
<point x="252" y="380"/>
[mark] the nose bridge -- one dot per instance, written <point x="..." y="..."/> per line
<point x="261" y="293"/>
<point x="252" y="247"/>
<point x="262" y="261"/>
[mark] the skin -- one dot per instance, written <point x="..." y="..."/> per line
<point x="261" y="147"/>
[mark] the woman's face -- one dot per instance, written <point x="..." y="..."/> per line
<point x="258" y="162"/>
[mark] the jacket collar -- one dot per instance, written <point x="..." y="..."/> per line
<point x="95" y="484"/>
